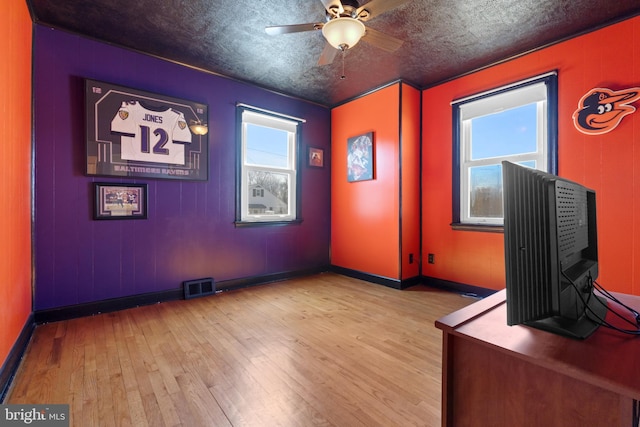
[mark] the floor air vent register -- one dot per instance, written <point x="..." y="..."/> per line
<point x="199" y="288"/>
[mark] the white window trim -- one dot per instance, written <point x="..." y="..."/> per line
<point x="512" y="96"/>
<point x="289" y="126"/>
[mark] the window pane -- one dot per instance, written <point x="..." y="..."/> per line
<point x="268" y="193"/>
<point x="530" y="164"/>
<point x="518" y="123"/>
<point x="505" y="133"/>
<point x="267" y="146"/>
<point x="485" y="189"/>
<point x="267" y="189"/>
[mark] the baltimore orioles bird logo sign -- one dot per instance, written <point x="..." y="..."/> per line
<point x="601" y="110"/>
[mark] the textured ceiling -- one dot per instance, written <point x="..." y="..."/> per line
<point x="442" y="38"/>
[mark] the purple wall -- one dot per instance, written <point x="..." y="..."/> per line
<point x="190" y="232"/>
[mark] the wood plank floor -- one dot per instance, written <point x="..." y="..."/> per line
<point x="325" y="350"/>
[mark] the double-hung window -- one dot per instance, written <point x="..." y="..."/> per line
<point x="268" y="168"/>
<point x="517" y="123"/>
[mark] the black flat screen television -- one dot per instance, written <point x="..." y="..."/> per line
<point x="551" y="253"/>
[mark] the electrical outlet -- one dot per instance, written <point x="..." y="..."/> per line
<point x="431" y="259"/>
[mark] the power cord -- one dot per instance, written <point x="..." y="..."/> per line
<point x="609" y="296"/>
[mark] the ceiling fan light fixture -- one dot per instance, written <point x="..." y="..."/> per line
<point x="343" y="33"/>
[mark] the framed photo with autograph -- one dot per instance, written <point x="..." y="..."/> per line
<point x="133" y="133"/>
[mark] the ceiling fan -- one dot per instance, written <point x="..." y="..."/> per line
<point x="344" y="27"/>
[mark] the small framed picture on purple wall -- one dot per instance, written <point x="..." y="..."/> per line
<point x="315" y="157"/>
<point x="360" y="157"/>
<point x="120" y="201"/>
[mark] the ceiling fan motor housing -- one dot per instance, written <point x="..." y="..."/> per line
<point x="350" y="8"/>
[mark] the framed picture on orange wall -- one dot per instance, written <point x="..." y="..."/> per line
<point x="360" y="157"/>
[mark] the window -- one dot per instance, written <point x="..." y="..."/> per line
<point x="268" y="172"/>
<point x="517" y="123"/>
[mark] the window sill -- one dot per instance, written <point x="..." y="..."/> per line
<point x="477" y="227"/>
<point x="240" y="224"/>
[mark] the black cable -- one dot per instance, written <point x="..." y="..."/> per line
<point x="607" y="294"/>
<point x="636" y="413"/>
<point x="602" y="322"/>
<point x="610" y="297"/>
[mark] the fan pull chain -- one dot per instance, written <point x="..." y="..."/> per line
<point x="343" y="76"/>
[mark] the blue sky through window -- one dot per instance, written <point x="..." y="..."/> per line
<point x="504" y="133"/>
<point x="266" y="146"/>
<point x="508" y="132"/>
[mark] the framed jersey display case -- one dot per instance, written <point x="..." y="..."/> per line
<point x="133" y="133"/>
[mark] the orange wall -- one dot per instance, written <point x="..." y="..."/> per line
<point x="410" y="177"/>
<point x="365" y="215"/>
<point x="610" y="163"/>
<point x="375" y="224"/>
<point x="15" y="178"/>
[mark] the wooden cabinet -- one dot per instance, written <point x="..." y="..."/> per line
<point x="499" y="375"/>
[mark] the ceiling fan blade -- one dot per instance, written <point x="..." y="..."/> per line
<point x="382" y="40"/>
<point x="295" y="28"/>
<point x="377" y="7"/>
<point x="328" y="54"/>
<point x="334" y="7"/>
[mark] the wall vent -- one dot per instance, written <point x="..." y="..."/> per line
<point x="199" y="288"/>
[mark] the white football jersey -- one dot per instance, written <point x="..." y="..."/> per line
<point x="151" y="136"/>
